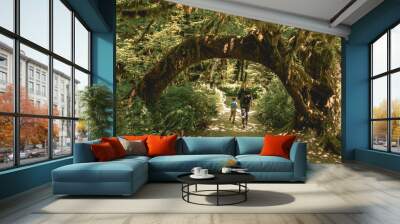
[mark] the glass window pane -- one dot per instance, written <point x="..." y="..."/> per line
<point x="81" y="131"/>
<point x="62" y="89"/>
<point x="6" y="74"/>
<point x="62" y="28"/>
<point x="6" y="142"/>
<point x="7" y="14"/>
<point x="395" y="138"/>
<point x="395" y="94"/>
<point x="35" y="21"/>
<point x="395" y="47"/>
<point x="81" y="45"/>
<point x="379" y="97"/>
<point x="379" y="55"/>
<point x="379" y="135"/>
<point x="34" y="97"/>
<point x="81" y="82"/>
<point x="33" y="139"/>
<point x="62" y="138"/>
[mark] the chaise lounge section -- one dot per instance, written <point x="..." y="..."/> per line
<point x="88" y="177"/>
<point x="125" y="176"/>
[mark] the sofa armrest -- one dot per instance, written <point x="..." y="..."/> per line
<point x="298" y="155"/>
<point x="83" y="152"/>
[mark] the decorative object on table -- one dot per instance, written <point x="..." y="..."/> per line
<point x="200" y="173"/>
<point x="240" y="170"/>
<point x="226" y="170"/>
<point x="203" y="172"/>
<point x="230" y="170"/>
<point x="97" y="102"/>
<point x="196" y="170"/>
<point x="231" y="163"/>
<point x="202" y="177"/>
<point x="239" y="180"/>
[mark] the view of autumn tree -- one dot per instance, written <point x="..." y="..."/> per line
<point x="6" y="130"/>
<point x="33" y="130"/>
<point x="380" y="127"/>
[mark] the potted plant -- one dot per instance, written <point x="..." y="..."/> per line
<point x="97" y="104"/>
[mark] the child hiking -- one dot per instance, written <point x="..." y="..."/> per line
<point x="234" y="106"/>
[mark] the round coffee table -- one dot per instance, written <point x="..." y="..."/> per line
<point x="238" y="179"/>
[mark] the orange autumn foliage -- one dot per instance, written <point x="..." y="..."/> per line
<point x="33" y="130"/>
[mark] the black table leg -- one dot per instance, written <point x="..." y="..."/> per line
<point x="245" y="193"/>
<point x="182" y="189"/>
<point x="196" y="187"/>
<point x="217" y="194"/>
<point x="188" y="190"/>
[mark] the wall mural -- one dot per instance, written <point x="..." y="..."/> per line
<point x="197" y="72"/>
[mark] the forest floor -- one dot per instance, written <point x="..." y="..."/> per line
<point x="221" y="126"/>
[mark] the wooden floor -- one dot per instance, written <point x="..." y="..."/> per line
<point x="379" y="189"/>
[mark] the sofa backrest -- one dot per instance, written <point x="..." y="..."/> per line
<point x="190" y="146"/>
<point x="249" y="145"/>
<point x="83" y="152"/>
<point x="206" y="145"/>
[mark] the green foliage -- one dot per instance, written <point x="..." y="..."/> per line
<point x="134" y="118"/>
<point x="180" y="109"/>
<point x="97" y="104"/>
<point x="275" y="107"/>
<point x="185" y="108"/>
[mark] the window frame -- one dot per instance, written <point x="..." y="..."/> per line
<point x="16" y="114"/>
<point x="388" y="74"/>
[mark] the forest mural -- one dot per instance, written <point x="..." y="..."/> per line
<point x="197" y="72"/>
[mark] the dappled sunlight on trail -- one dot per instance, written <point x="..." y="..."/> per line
<point x="221" y="126"/>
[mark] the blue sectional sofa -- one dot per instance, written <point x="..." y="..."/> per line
<point x="125" y="176"/>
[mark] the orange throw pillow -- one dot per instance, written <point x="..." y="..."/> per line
<point x="103" y="152"/>
<point x="116" y="145"/>
<point x="135" y="137"/>
<point x="277" y="145"/>
<point x="161" y="145"/>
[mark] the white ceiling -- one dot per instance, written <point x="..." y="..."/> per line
<point x="314" y="15"/>
<point x="320" y="9"/>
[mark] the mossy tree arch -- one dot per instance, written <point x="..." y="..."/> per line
<point x="307" y="63"/>
<point x="299" y="63"/>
